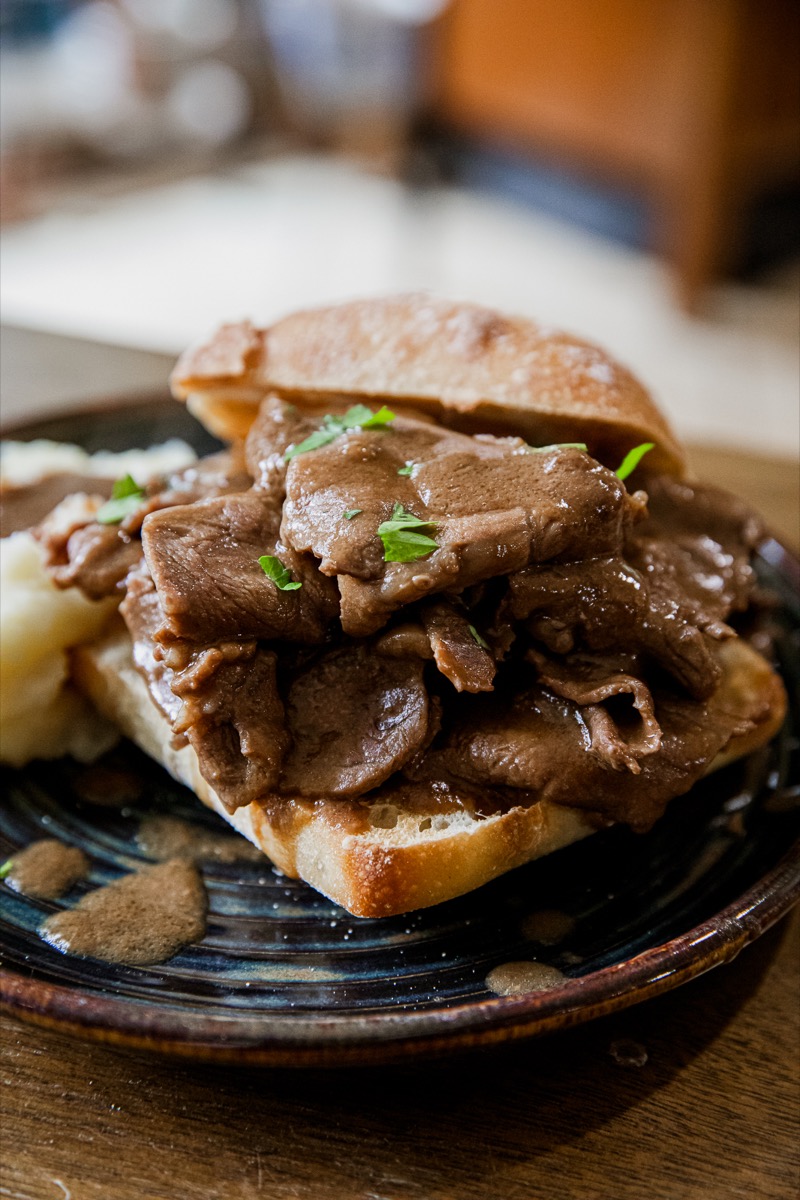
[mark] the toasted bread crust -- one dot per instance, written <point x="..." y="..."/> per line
<point x="379" y="871"/>
<point x="472" y="367"/>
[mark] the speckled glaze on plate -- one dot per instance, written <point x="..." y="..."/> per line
<point x="284" y="977"/>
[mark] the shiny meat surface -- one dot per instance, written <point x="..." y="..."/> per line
<point x="604" y="604"/>
<point x="588" y="613"/>
<point x="204" y="562"/>
<point x="495" y="507"/>
<point x="222" y="699"/>
<point x="456" y="648"/>
<point x="233" y="717"/>
<point x="541" y="743"/>
<point x="98" y="559"/>
<point x="221" y="474"/>
<point x="355" y="718"/>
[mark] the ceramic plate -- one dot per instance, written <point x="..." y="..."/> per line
<point x="285" y="977"/>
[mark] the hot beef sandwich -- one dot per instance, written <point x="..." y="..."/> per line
<point x="447" y="603"/>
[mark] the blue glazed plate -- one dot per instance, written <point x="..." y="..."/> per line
<point x="284" y="977"/>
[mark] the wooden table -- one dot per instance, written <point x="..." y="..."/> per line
<point x="711" y="1115"/>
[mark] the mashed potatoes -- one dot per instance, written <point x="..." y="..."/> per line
<point x="26" y="462"/>
<point x="39" y="717"/>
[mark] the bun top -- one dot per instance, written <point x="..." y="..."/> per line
<point x="472" y="367"/>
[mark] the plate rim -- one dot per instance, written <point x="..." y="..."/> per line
<point x="378" y="1038"/>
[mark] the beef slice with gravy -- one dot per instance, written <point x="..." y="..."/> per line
<point x="540" y="744"/>
<point x="222" y="699"/>
<point x="355" y="717"/>
<point x="233" y="717"/>
<point x="204" y="562"/>
<point x="493" y="508"/>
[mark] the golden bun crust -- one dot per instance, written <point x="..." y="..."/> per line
<point x="472" y="367"/>
<point x="376" y="871"/>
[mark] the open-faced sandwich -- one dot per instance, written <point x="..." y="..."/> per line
<point x="447" y="603"/>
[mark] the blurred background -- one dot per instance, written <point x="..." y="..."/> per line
<point x="626" y="169"/>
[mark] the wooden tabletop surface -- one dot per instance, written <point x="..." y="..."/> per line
<point x="713" y="1113"/>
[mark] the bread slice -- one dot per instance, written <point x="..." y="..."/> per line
<point x="396" y="860"/>
<point x="473" y="368"/>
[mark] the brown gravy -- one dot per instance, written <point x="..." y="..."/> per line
<point x="47" y="869"/>
<point x="163" y="838"/>
<point x="22" y="507"/>
<point x="142" y="918"/>
<point x="519" y="978"/>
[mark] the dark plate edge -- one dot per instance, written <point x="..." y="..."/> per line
<point x="377" y="1039"/>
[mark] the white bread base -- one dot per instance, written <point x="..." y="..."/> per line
<point x="385" y="871"/>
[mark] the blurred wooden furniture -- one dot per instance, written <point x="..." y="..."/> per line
<point x="695" y="101"/>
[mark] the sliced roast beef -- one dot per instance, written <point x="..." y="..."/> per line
<point x="621" y="735"/>
<point x="442" y="631"/>
<point x="696" y="545"/>
<point x="143" y="616"/>
<point x="223" y="700"/>
<point x="358" y="473"/>
<point x="355" y="718"/>
<point x="600" y="613"/>
<point x="278" y="426"/>
<point x="22" y="507"/>
<point x="540" y="744"/>
<point x="98" y="559"/>
<point x="221" y="474"/>
<point x="405" y="640"/>
<point x="204" y="562"/>
<point x="604" y="604"/>
<point x="233" y="716"/>
<point x="684" y="569"/>
<point x="492" y="506"/>
<point x="457" y="648"/>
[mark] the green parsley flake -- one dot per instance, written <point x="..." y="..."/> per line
<point x="333" y="426"/>
<point x="558" y="446"/>
<point x="6" y="868"/>
<point x="408" y="469"/>
<point x="349" y="513"/>
<point x="402" y="539"/>
<point x="632" y="459"/>
<point x="126" y="496"/>
<point x="280" y="575"/>
<point x="476" y="637"/>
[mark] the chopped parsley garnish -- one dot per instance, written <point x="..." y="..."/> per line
<point x="476" y="637"/>
<point x="632" y="459"/>
<point x="333" y="426"/>
<point x="280" y="575"/>
<point x="558" y="446"/>
<point x="349" y="513"/>
<point x="6" y="868"/>
<point x="126" y="496"/>
<point x="402" y="538"/>
<point x="408" y="469"/>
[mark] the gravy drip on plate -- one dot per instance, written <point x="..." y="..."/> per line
<point x="164" y="838"/>
<point x="47" y="869"/>
<point x="519" y="978"/>
<point x="142" y="918"/>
